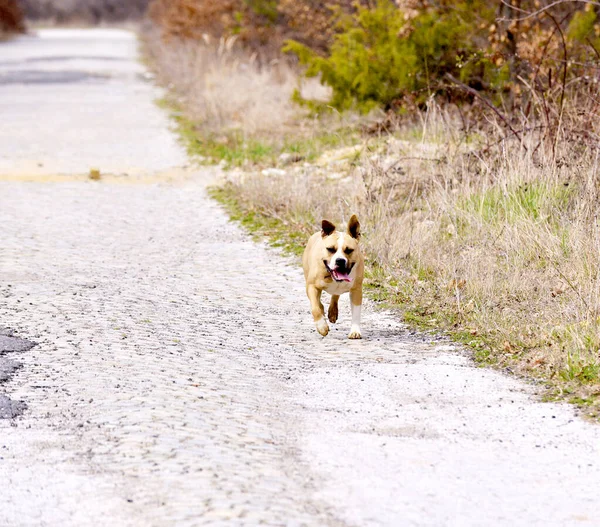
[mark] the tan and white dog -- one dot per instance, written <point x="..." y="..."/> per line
<point x="333" y="262"/>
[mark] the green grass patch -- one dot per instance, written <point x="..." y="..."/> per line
<point x="533" y="201"/>
<point x="581" y="371"/>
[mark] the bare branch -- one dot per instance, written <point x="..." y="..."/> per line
<point x="488" y="104"/>
<point x="544" y="9"/>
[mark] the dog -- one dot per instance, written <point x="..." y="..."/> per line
<point x="333" y="262"/>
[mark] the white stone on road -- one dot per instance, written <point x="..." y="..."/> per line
<point x="178" y="379"/>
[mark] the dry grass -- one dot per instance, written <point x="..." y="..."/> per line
<point x="501" y="248"/>
<point x="231" y="107"/>
<point x="224" y="88"/>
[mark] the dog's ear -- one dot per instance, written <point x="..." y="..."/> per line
<point x="354" y="227"/>
<point x="327" y="228"/>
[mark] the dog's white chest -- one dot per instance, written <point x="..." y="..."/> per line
<point x="338" y="288"/>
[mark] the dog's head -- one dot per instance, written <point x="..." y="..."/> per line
<point x="340" y="250"/>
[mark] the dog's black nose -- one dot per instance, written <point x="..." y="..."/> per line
<point x="340" y="262"/>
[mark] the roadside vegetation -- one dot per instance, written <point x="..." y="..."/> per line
<point x="465" y="135"/>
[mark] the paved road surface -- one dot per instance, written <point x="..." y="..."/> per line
<point x="178" y="379"/>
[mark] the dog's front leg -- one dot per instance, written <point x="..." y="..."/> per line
<point x="332" y="313"/>
<point x="318" y="312"/>
<point x="356" y="304"/>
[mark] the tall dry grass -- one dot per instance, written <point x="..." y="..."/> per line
<point x="223" y="87"/>
<point x="499" y="245"/>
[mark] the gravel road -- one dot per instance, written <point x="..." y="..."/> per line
<point x="177" y="377"/>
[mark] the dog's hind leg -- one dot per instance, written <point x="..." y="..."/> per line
<point x="317" y="310"/>
<point x="332" y="314"/>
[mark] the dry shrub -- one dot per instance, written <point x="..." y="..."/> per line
<point x="11" y="17"/>
<point x="311" y="22"/>
<point x="255" y="25"/>
<point x="261" y="25"/>
<point x="191" y="19"/>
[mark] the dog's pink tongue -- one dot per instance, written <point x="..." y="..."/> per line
<point x="341" y="276"/>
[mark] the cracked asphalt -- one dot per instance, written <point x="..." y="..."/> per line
<point x="177" y="377"/>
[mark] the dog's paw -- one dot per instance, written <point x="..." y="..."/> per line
<point x="354" y="333"/>
<point x="332" y="314"/>
<point x="322" y="327"/>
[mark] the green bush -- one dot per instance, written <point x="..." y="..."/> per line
<point x="583" y="43"/>
<point x="581" y="26"/>
<point x="380" y="54"/>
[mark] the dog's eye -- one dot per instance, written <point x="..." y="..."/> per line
<point x="347" y="250"/>
<point x="331" y="249"/>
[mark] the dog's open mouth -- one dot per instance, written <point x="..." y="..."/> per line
<point x="339" y="275"/>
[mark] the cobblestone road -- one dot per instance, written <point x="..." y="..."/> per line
<point x="178" y="379"/>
